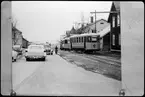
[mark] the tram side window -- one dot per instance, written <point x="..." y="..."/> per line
<point x="82" y="39"/>
<point x="65" y="41"/>
<point x="78" y="39"/>
<point x="88" y="39"/>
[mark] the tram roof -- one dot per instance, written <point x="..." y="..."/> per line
<point x="67" y="38"/>
<point x="85" y="34"/>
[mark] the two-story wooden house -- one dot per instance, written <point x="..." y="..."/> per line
<point x="114" y="20"/>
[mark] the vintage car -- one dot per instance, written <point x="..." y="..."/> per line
<point x="35" y="52"/>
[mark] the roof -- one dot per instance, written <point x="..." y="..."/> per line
<point x="85" y="34"/>
<point x="95" y="22"/>
<point x="15" y="29"/>
<point x="117" y="5"/>
<point x="104" y="31"/>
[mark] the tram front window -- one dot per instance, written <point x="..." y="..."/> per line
<point x="94" y="39"/>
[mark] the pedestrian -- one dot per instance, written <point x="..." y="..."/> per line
<point x="56" y="49"/>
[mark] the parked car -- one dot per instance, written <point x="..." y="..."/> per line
<point x="35" y="52"/>
<point x="14" y="55"/>
<point x="49" y="51"/>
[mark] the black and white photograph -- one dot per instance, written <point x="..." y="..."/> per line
<point x="72" y="48"/>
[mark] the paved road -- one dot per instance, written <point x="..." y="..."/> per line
<point x="56" y="76"/>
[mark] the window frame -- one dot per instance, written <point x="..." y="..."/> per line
<point x="113" y="21"/>
<point x="113" y="39"/>
<point x="118" y="20"/>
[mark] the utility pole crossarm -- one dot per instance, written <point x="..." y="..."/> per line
<point x="105" y="12"/>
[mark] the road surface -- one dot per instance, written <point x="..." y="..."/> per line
<point x="56" y="76"/>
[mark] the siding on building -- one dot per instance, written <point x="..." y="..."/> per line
<point x="90" y="28"/>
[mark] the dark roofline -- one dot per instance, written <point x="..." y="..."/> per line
<point x="14" y="28"/>
<point x="24" y="39"/>
<point x="116" y="5"/>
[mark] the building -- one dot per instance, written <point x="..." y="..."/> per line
<point x="16" y="37"/>
<point x="100" y="25"/>
<point x="114" y="20"/>
<point x="25" y="43"/>
<point x="105" y="38"/>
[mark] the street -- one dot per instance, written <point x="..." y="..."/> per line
<point x="56" y="76"/>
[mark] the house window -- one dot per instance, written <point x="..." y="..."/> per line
<point x="118" y="20"/>
<point x="101" y="23"/>
<point x="113" y="21"/>
<point x="119" y="39"/>
<point x="113" y="42"/>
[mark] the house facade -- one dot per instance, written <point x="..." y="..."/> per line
<point x="114" y="20"/>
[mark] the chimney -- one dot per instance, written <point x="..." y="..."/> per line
<point x="91" y="19"/>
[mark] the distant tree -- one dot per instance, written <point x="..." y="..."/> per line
<point x="14" y="21"/>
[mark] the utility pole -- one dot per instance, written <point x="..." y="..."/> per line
<point x="95" y="20"/>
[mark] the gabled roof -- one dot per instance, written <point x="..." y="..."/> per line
<point x="117" y="5"/>
<point x="15" y="29"/>
<point x="104" y="31"/>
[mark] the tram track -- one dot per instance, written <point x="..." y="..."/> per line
<point x="100" y="59"/>
<point x="96" y="65"/>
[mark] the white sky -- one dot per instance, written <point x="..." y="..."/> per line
<point x="47" y="20"/>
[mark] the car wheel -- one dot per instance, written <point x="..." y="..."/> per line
<point x="43" y="59"/>
<point x="27" y="59"/>
<point x="14" y="60"/>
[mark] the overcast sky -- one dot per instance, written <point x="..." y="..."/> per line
<point x="47" y="20"/>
